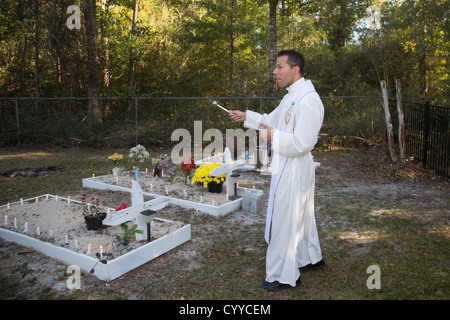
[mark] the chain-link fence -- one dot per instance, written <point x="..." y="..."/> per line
<point x="151" y="121"/>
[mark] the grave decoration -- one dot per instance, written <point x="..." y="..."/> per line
<point x="54" y="226"/>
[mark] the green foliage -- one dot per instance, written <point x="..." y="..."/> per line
<point x="127" y="234"/>
<point x="208" y="48"/>
<point x="23" y="270"/>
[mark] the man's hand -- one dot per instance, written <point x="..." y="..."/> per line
<point x="237" y="115"/>
<point x="267" y="133"/>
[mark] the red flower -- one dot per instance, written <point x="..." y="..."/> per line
<point x="121" y="207"/>
<point x="187" y="166"/>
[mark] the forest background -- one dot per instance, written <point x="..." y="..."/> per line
<point x="227" y="48"/>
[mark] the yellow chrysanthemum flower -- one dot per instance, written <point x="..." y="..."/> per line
<point x="202" y="174"/>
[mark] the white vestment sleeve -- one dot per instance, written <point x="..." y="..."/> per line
<point x="253" y="119"/>
<point x="308" y="122"/>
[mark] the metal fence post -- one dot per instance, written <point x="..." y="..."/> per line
<point x="426" y="132"/>
<point x="136" y="115"/>
<point x="17" y="121"/>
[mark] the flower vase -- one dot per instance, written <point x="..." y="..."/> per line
<point x="116" y="171"/>
<point x="94" y="222"/>
<point x="137" y="173"/>
<point x="157" y="172"/>
<point x="214" y="187"/>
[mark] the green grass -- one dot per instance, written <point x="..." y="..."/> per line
<point x="400" y="225"/>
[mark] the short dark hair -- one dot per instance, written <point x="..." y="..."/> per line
<point x="294" y="58"/>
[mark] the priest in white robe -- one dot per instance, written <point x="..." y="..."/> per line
<point x="292" y="128"/>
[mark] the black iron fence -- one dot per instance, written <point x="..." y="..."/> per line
<point x="427" y="135"/>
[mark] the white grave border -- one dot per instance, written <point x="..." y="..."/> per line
<point x="223" y="209"/>
<point x="113" y="268"/>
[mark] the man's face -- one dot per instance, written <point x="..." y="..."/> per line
<point x="284" y="74"/>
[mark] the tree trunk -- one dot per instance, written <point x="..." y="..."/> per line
<point x="93" y="65"/>
<point x="401" y="124"/>
<point x="272" y="42"/>
<point x="387" y="115"/>
<point x="133" y="34"/>
<point x="36" y="54"/>
<point x="231" y="34"/>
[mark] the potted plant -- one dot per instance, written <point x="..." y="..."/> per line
<point x="138" y="154"/>
<point x="116" y="159"/>
<point x="202" y="176"/>
<point x="160" y="164"/>
<point x="187" y="167"/>
<point x="93" y="216"/>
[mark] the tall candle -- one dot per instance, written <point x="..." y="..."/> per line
<point x="56" y="198"/>
<point x="7" y="206"/>
<point x="212" y="201"/>
<point x="185" y="194"/>
<point x="201" y="199"/>
<point x="66" y="239"/>
<point x="76" y="244"/>
<point x="117" y="180"/>
<point x="36" y="200"/>
<point x="38" y="231"/>
<point x="25" y="230"/>
<point x="6" y="220"/>
<point x="167" y="191"/>
<point x="15" y="223"/>
<point x="51" y="234"/>
<point x="101" y="252"/>
<point x="89" y="249"/>
<point x="21" y="201"/>
<point x="68" y="201"/>
<point x="151" y="187"/>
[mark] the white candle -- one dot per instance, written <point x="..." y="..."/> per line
<point x="46" y="197"/>
<point x="185" y="194"/>
<point x="93" y="176"/>
<point x="6" y="220"/>
<point x="36" y="200"/>
<point x="21" y="201"/>
<point x="51" y="234"/>
<point x="146" y="170"/>
<point x="212" y="201"/>
<point x="56" y="198"/>
<point x="167" y="192"/>
<point x="101" y="252"/>
<point x="117" y="180"/>
<point x="151" y="187"/>
<point x="15" y="223"/>
<point x="227" y="197"/>
<point x="162" y="173"/>
<point x="66" y="239"/>
<point x="89" y="249"/>
<point x="76" y="244"/>
<point x="25" y="230"/>
<point x="38" y="231"/>
<point x="68" y="201"/>
<point x="201" y="199"/>
<point x="108" y="212"/>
